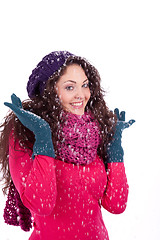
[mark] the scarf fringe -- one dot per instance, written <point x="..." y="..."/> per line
<point x="15" y="213"/>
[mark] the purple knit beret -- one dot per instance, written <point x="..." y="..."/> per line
<point x="49" y="65"/>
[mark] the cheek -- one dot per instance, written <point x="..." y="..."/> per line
<point x="88" y="94"/>
<point x="64" y="97"/>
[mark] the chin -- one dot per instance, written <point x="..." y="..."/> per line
<point x="77" y="111"/>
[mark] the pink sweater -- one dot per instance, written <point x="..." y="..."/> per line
<point x="64" y="199"/>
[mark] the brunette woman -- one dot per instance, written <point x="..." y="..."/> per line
<point x="61" y="154"/>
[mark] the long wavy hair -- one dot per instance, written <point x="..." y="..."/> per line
<point x="48" y="107"/>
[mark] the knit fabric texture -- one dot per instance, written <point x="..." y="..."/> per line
<point x="45" y="69"/>
<point x="15" y="213"/>
<point x="78" y="138"/>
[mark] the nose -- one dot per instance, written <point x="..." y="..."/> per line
<point x="79" y="94"/>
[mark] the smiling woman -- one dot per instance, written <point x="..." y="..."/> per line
<point x="58" y="155"/>
<point x="73" y="89"/>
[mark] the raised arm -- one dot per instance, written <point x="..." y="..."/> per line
<point x="115" y="197"/>
<point x="34" y="179"/>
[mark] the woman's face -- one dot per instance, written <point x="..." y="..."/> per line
<point x="73" y="89"/>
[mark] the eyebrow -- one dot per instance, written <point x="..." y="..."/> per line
<point x="74" y="81"/>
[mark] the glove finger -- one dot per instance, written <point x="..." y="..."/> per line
<point x="16" y="110"/>
<point x="13" y="107"/>
<point x="22" y="115"/>
<point x="128" y="124"/>
<point x="122" y="116"/>
<point x="16" y="101"/>
<point x="116" y="111"/>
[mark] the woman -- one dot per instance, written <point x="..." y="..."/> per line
<point x="59" y="157"/>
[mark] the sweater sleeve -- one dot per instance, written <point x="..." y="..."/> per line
<point x="115" y="197"/>
<point x="35" y="179"/>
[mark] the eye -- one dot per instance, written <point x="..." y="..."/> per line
<point x="69" y="88"/>
<point x="85" y="85"/>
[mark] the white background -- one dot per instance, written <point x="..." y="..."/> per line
<point x="122" y="39"/>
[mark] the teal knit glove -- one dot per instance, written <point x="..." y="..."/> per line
<point x="114" y="149"/>
<point x="43" y="138"/>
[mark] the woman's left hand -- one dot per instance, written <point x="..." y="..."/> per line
<point x="121" y="124"/>
<point x="114" y="150"/>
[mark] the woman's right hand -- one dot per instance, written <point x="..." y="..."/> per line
<point x="41" y="129"/>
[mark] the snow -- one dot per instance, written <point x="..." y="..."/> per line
<point x="121" y="38"/>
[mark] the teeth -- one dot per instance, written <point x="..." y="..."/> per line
<point x="77" y="104"/>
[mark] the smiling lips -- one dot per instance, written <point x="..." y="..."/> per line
<point x="77" y="104"/>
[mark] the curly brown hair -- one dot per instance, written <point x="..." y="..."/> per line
<point x="48" y="107"/>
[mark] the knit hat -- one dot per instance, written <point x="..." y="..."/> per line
<point x="49" y="65"/>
